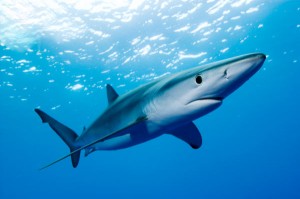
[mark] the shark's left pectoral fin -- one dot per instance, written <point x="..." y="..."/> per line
<point x="188" y="133"/>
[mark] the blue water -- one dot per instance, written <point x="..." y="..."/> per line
<point x="59" y="56"/>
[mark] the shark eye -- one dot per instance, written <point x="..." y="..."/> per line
<point x="198" y="79"/>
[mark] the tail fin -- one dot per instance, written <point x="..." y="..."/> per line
<point x="64" y="132"/>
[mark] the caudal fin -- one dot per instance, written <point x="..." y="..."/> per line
<point x="64" y="132"/>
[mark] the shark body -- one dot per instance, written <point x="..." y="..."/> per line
<point x="167" y="105"/>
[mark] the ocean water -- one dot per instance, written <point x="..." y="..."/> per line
<point x="59" y="55"/>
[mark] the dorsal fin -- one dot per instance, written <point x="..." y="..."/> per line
<point x="112" y="95"/>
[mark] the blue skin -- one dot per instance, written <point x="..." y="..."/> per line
<point x="166" y="105"/>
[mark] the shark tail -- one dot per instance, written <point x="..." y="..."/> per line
<point x="64" y="132"/>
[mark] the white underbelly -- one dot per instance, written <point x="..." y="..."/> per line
<point x="115" y="143"/>
<point x="129" y="138"/>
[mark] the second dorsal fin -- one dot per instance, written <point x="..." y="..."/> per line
<point x="112" y="95"/>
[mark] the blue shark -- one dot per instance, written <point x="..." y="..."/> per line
<point x="167" y="105"/>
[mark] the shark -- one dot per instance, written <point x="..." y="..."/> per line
<point x="166" y="105"/>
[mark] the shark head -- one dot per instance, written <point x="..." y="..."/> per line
<point x="197" y="91"/>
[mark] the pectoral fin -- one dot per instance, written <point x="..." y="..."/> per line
<point x="189" y="134"/>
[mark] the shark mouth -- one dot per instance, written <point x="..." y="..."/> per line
<point x="219" y="99"/>
<point x="212" y="98"/>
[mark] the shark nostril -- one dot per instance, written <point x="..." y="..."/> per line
<point x="226" y="74"/>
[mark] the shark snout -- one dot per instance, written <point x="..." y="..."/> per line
<point x="244" y="68"/>
<point x="236" y="72"/>
<point x="257" y="61"/>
